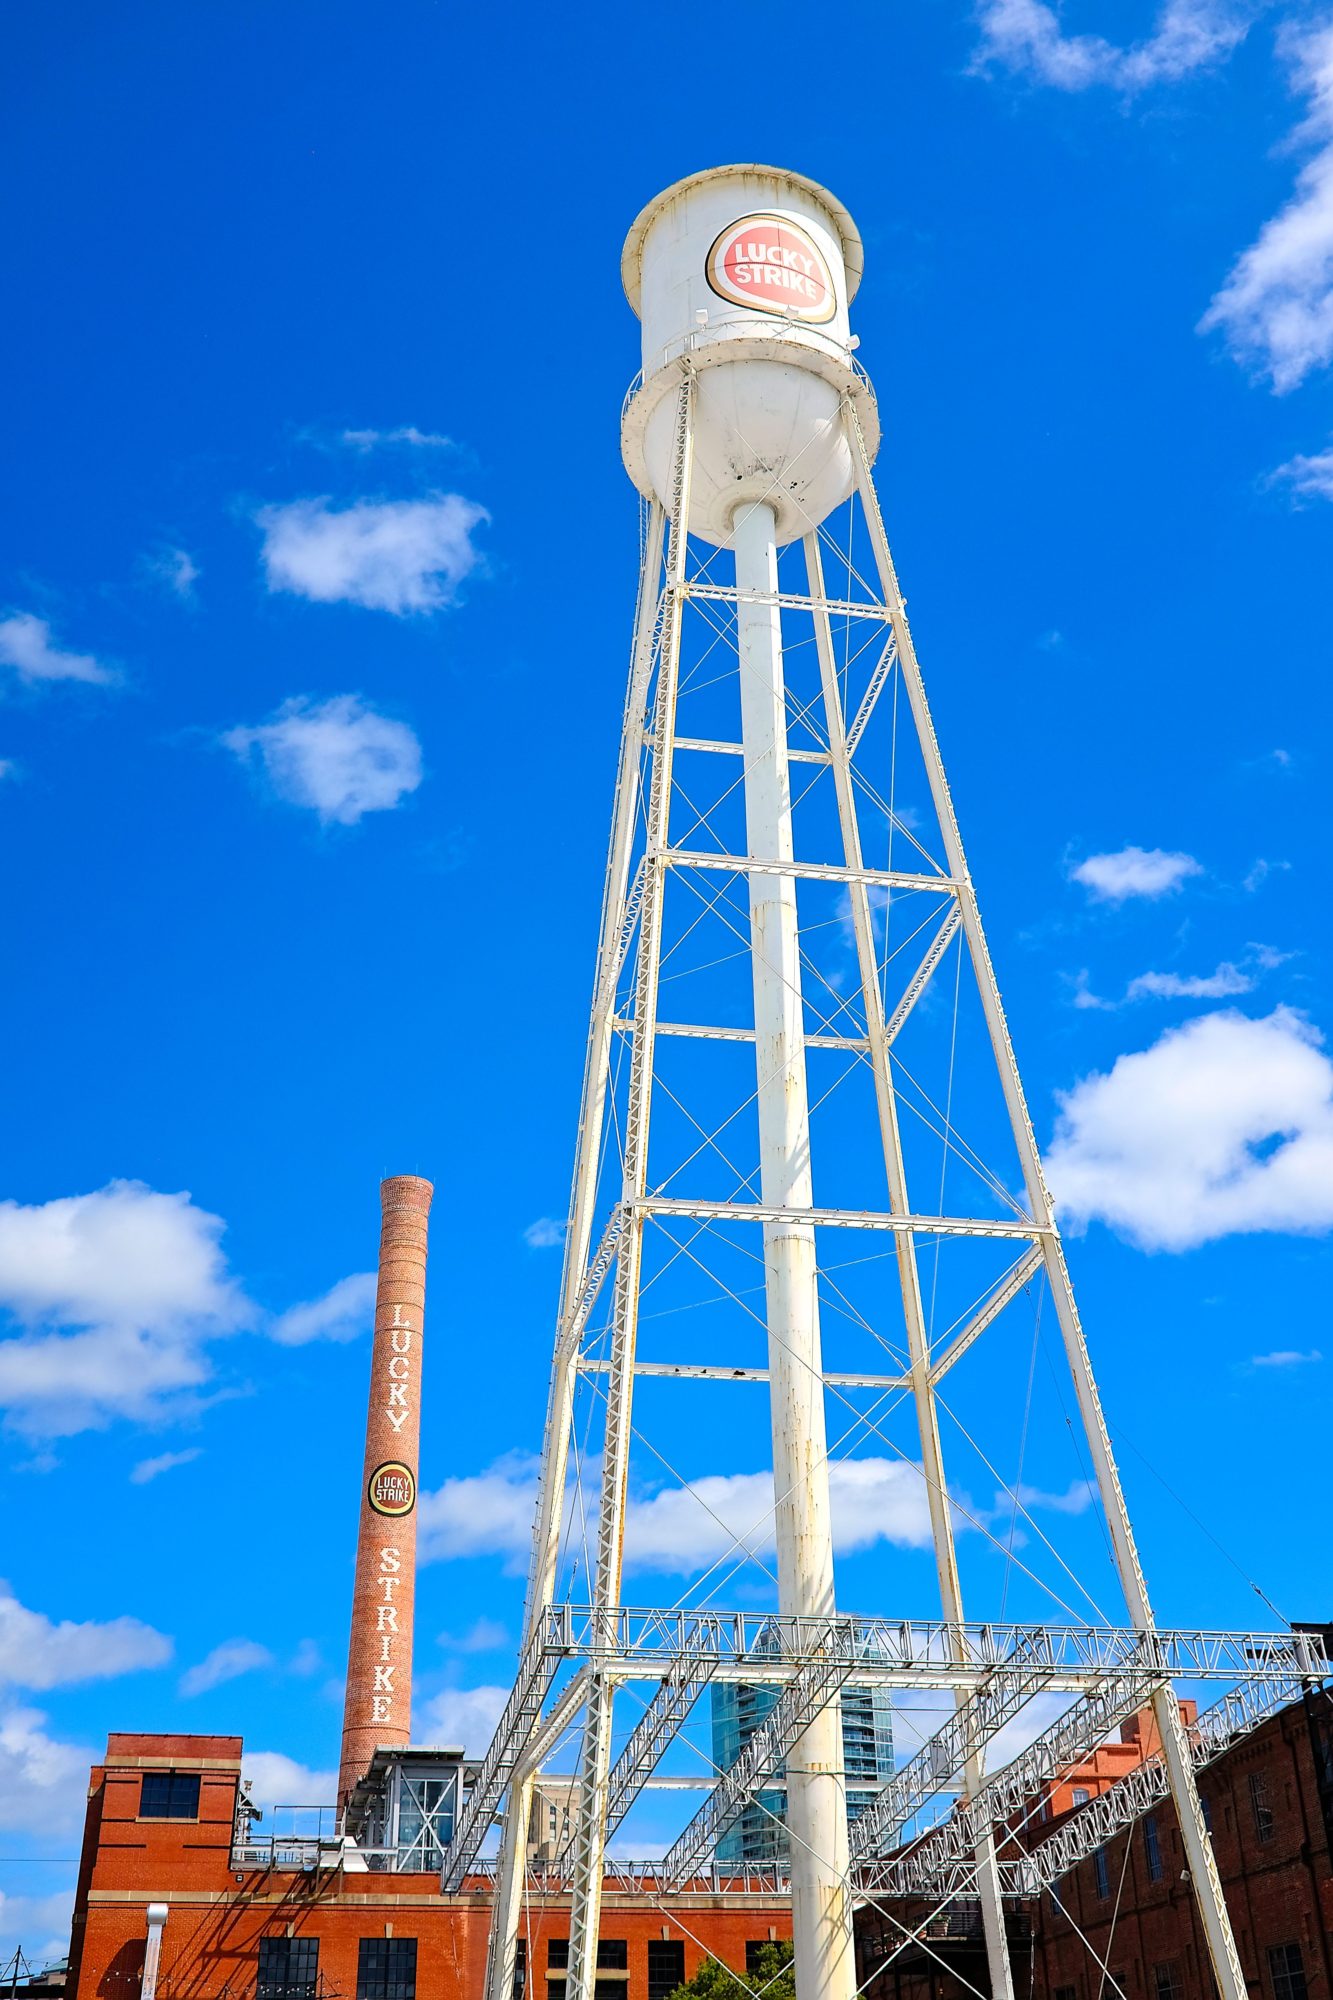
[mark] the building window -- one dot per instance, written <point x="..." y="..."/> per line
<point x="1102" y="1873"/>
<point x="169" y="1795"/>
<point x="1206" y="1809"/>
<point x="386" y="1969"/>
<point x="520" y="1968"/>
<point x="1152" y="1848"/>
<point x="754" y="1947"/>
<point x="287" y="1968"/>
<point x="666" y="1967"/>
<point x="1259" y="1806"/>
<point x="1080" y="1795"/>
<point x="612" y="1956"/>
<point x="1286" y="1969"/>
<point x="1065" y="1993"/>
<point x="1166" y="1980"/>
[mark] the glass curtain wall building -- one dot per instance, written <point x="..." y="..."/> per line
<point x="739" y="1707"/>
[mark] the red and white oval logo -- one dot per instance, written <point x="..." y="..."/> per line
<point x="392" y="1489"/>
<point x="771" y="264"/>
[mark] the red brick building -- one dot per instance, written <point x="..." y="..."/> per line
<point x="1129" y="1907"/>
<point x="300" y="1918"/>
<point x="1269" y="1804"/>
<point x="1107" y="1764"/>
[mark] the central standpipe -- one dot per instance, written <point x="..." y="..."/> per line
<point x="816" y="1791"/>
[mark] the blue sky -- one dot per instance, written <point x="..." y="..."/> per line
<point x="318" y="570"/>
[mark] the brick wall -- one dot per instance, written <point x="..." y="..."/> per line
<point x="217" y="1918"/>
<point x="1271" y="1841"/>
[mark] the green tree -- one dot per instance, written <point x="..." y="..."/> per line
<point x="773" y="1978"/>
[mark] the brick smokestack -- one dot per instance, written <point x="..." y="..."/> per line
<point x="378" y="1704"/>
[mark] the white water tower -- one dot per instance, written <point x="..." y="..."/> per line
<point x="749" y="272"/>
<point x="749" y="425"/>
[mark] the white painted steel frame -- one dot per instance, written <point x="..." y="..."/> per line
<point x="590" y="1815"/>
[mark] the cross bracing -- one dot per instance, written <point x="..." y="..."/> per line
<point x="804" y="1695"/>
<point x="1032" y="1859"/>
<point x="863" y="1271"/>
<point x="1082" y="1832"/>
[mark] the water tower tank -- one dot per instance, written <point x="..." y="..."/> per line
<point x="745" y="273"/>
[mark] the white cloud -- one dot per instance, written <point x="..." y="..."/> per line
<point x="685" y="1528"/>
<point x="544" y="1234"/>
<point x="25" y="645"/>
<point x="1134" y="871"/>
<point x="167" y="1461"/>
<point x="1286" y="1357"/>
<point x="462" y="1715"/>
<point x="43" y="1782"/>
<point x="388" y="555"/>
<point x="1026" y="36"/>
<point x="39" y="1924"/>
<point x="141" y="1277"/>
<point x="1076" y="1500"/>
<point x="484" y="1635"/>
<point x="1275" y="310"/>
<point x="879" y="1500"/>
<point x="225" y="1663"/>
<point x="680" y="1529"/>
<point x="1260" y="872"/>
<point x="346" y="1310"/>
<point x="1227" y="980"/>
<point x="366" y="441"/>
<point x="1311" y="476"/>
<point x="124" y="1255"/>
<point x="177" y="569"/>
<point x="278" y="1780"/>
<point x="486" y="1513"/>
<point x="339" y="757"/>
<point x="35" y="1652"/>
<point x="1224" y="1126"/>
<point x="1083" y="995"/>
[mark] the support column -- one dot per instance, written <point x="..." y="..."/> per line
<point x="816" y="1792"/>
<point x="589" y="1845"/>
<point x="914" y="1318"/>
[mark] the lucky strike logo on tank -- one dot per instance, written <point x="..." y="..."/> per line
<point x="771" y="264"/>
<point x="392" y="1489"/>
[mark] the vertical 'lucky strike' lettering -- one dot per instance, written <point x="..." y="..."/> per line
<point x="394" y="1387"/>
<point x="387" y="1581"/>
<point x="399" y="1372"/>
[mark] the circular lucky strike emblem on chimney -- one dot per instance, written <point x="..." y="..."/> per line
<point x="392" y="1489"/>
<point x="770" y="264"/>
